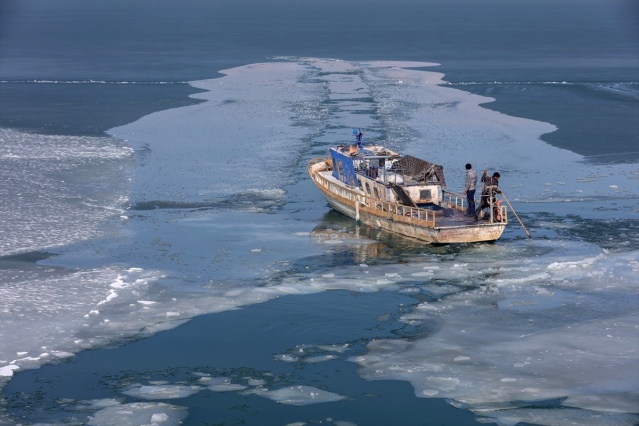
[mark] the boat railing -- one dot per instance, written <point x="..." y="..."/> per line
<point x="454" y="200"/>
<point x="459" y="202"/>
<point x="404" y="211"/>
<point x="367" y="201"/>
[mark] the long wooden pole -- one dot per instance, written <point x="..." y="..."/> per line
<point x="515" y="213"/>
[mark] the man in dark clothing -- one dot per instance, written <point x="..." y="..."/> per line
<point x="469" y="189"/>
<point x="491" y="187"/>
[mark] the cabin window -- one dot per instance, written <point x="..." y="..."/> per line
<point x="352" y="181"/>
<point x="368" y="188"/>
<point x="340" y="170"/>
<point x="425" y="194"/>
<point x="376" y="192"/>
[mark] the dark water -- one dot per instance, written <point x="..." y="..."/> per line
<point x="605" y="136"/>
<point x="85" y="108"/>
<point x="149" y="40"/>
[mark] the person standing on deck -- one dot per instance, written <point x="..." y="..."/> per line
<point x="469" y="188"/>
<point x="491" y="187"/>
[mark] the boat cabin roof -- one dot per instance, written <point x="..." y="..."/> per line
<point x="411" y="168"/>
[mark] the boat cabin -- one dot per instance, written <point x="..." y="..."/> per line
<point x="388" y="176"/>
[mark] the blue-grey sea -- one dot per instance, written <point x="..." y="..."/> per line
<point x="166" y="260"/>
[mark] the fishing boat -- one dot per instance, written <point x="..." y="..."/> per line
<point x="401" y="194"/>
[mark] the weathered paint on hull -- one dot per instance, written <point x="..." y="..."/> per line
<point x="415" y="228"/>
<point x="466" y="234"/>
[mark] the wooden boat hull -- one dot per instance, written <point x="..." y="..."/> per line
<point x="411" y="222"/>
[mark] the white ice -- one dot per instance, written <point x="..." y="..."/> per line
<point x="230" y="139"/>
<point x="139" y="413"/>
<point x="161" y="391"/>
<point x="299" y="395"/>
<point x="509" y="341"/>
<point x="40" y="177"/>
<point x="224" y="384"/>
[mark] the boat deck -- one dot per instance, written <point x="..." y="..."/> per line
<point x="453" y="217"/>
<point x="457" y="218"/>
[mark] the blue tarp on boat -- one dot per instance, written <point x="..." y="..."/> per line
<point x="343" y="168"/>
